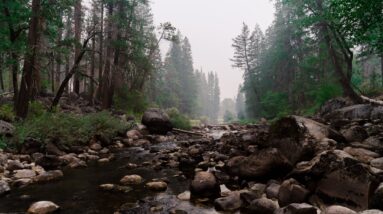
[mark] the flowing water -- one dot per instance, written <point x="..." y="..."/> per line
<point x="78" y="191"/>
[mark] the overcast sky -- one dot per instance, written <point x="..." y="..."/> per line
<point x="210" y="26"/>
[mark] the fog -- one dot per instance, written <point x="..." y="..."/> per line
<point x="210" y="26"/>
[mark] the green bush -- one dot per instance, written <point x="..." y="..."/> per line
<point x="178" y="120"/>
<point x="6" y="113"/>
<point x="321" y="94"/>
<point x="36" y="109"/>
<point x="66" y="128"/>
<point x="275" y="105"/>
<point x="3" y="143"/>
<point x="132" y="102"/>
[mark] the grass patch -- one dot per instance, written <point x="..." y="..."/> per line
<point x="179" y="120"/>
<point x="64" y="128"/>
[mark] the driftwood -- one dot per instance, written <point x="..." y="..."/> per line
<point x="187" y="132"/>
<point x="371" y="101"/>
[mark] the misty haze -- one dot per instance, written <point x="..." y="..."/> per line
<point x="191" y="106"/>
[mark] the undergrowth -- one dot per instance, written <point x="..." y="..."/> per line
<point x="67" y="128"/>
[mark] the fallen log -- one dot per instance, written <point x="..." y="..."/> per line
<point x="187" y="132"/>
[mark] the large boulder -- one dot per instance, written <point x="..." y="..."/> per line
<point x="292" y="192"/>
<point x="204" y="184"/>
<point x="361" y="111"/>
<point x="352" y="186"/>
<point x="262" y="165"/>
<point x="4" y="187"/>
<point x="43" y="207"/>
<point x="231" y="202"/>
<point x="157" y="121"/>
<point x="261" y="206"/>
<point x="338" y="210"/>
<point x="297" y="137"/>
<point x="6" y="129"/>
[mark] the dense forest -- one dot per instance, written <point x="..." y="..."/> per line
<point x="87" y="84"/>
<point x="313" y="51"/>
<point x="106" y="51"/>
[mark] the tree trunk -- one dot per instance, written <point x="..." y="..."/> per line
<point x="70" y="73"/>
<point x="92" y="68"/>
<point x="108" y="63"/>
<point x="343" y="79"/>
<point x="77" y="29"/>
<point x="381" y="67"/>
<point x="58" y="59"/>
<point x="15" y="70"/>
<point x="1" y="73"/>
<point x="29" y="61"/>
<point x="101" y="60"/>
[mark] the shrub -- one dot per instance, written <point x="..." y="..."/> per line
<point x="68" y="128"/>
<point x="132" y="102"/>
<point x="275" y="105"/>
<point x="178" y="120"/>
<point x="6" y="113"/>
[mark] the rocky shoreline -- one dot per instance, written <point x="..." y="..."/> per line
<point x="330" y="164"/>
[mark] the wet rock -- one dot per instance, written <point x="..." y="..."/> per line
<point x="157" y="186"/>
<point x="261" y="206"/>
<point x="52" y="149"/>
<point x="115" y="188"/>
<point x="4" y="188"/>
<point x="6" y="129"/>
<point x="43" y="207"/>
<point x="355" y="134"/>
<point x="361" y="154"/>
<point x="14" y="165"/>
<point x="352" y="186"/>
<point x="296" y="208"/>
<point x="95" y="147"/>
<point x="338" y="210"/>
<point x="24" y="173"/>
<point x="334" y="104"/>
<point x="50" y="162"/>
<point x="134" y="134"/>
<point x="265" y="164"/>
<point x="157" y="121"/>
<point x="375" y="143"/>
<point x="296" y="137"/>
<point x="185" y="196"/>
<point x="258" y="189"/>
<point x="371" y="212"/>
<point x="23" y="182"/>
<point x="324" y="163"/>
<point x="272" y="190"/>
<point x="103" y="160"/>
<point x="377" y="163"/>
<point x="291" y="192"/>
<point x="204" y="184"/>
<point x="362" y="111"/>
<point x="377" y="199"/>
<point x="72" y="161"/>
<point x="48" y="176"/>
<point x="229" y="203"/>
<point x="377" y="113"/>
<point x="131" y="180"/>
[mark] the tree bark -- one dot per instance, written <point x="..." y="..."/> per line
<point x="381" y="67"/>
<point x="77" y="24"/>
<point x="1" y="73"/>
<point x="24" y="96"/>
<point x="101" y="60"/>
<point x="92" y="68"/>
<point x="108" y="63"/>
<point x="343" y="79"/>
<point x="70" y="73"/>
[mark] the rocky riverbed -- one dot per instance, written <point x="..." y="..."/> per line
<point x="331" y="164"/>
